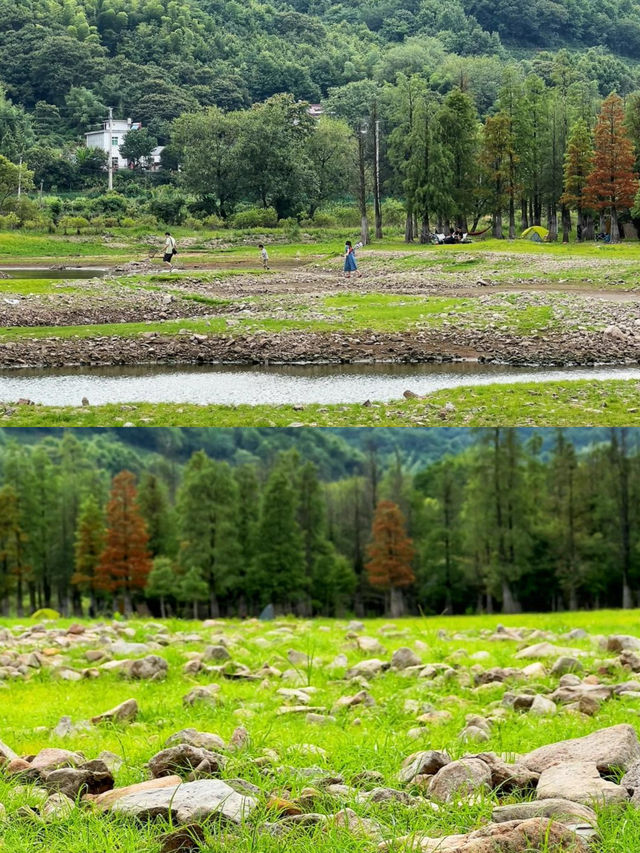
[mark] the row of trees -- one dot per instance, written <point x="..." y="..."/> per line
<point x="499" y="525"/>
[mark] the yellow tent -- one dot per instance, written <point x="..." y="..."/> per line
<point x="536" y="233"/>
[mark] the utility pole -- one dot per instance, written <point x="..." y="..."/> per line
<point x="20" y="177"/>
<point x="110" y="148"/>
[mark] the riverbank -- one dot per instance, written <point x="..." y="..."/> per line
<point x="577" y="403"/>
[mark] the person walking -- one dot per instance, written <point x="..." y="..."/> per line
<point x="264" y="255"/>
<point x="350" y="264"/>
<point x="169" y="250"/>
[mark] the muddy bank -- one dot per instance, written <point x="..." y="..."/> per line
<point x="559" y="349"/>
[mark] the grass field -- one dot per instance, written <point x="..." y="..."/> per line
<point x="282" y="746"/>
<point x="576" y="403"/>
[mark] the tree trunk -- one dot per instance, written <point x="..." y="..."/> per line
<point x="195" y="608"/>
<point x="214" y="607"/>
<point x="497" y="226"/>
<point x="615" y="231"/>
<point x="396" y="602"/>
<point x="163" y="611"/>
<point x="128" y="606"/>
<point x="376" y="172"/>
<point x="565" y="214"/>
<point x="408" y="228"/>
<point x="525" y="215"/>
<point x="588" y="230"/>
<point x="424" y="230"/>
<point x="512" y="217"/>
<point x="552" y="222"/>
<point x="19" y="604"/>
<point x="362" y="192"/>
<point x="509" y="601"/>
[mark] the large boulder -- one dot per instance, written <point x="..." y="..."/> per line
<point x="579" y="781"/>
<point x="192" y="802"/>
<point x="609" y="749"/>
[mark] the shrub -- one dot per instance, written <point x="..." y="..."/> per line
<point x="213" y="222"/>
<point x="69" y="223"/>
<point x="129" y="222"/>
<point x="291" y="228"/>
<point x="255" y="217"/>
<point x="193" y="223"/>
<point x="110" y="203"/>
<point x="168" y="207"/>
<point x="9" y="221"/>
<point x="323" y="220"/>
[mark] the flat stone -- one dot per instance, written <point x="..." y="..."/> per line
<point x="6" y="753"/>
<point x="370" y="646"/>
<point x="611" y="748"/>
<point x="542" y="707"/>
<point x="106" y="800"/>
<point x="546" y="650"/>
<point x="556" y="808"/>
<point x="52" y="758"/>
<point x="191" y="802"/>
<point x="579" y="781"/>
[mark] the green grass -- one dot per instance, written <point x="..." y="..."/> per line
<point x="576" y="403"/>
<point x="38" y="286"/>
<point x="31" y="709"/>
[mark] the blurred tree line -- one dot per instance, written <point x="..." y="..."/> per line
<point x="500" y="525"/>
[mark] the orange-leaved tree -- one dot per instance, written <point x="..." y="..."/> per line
<point x="390" y="555"/>
<point x="125" y="562"/>
<point x="612" y="184"/>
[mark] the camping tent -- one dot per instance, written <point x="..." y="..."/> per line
<point x="536" y="233"/>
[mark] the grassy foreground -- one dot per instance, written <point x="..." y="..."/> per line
<point x="577" y="403"/>
<point x="375" y="738"/>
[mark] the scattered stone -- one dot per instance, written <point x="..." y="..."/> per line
<point x="192" y="737"/>
<point x="57" y="807"/>
<point x="404" y="658"/>
<point x="466" y="777"/>
<point x="125" y="712"/>
<point x="558" y="809"/>
<point x="185" y="758"/>
<point x="423" y="763"/>
<point x="206" y="694"/>
<point x="188" y="838"/>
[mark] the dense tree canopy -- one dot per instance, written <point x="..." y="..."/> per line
<point x="509" y="519"/>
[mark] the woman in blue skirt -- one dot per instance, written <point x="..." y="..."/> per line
<point x="350" y="264"/>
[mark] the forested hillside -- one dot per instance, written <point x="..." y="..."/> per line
<point x="500" y="524"/>
<point x="64" y="61"/>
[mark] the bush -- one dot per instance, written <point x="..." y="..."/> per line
<point x="111" y="204"/>
<point x="213" y="222"/>
<point x="291" y="228"/>
<point x="70" y="223"/>
<point x="346" y="216"/>
<point x="129" y="222"/>
<point x="168" y="207"/>
<point x="255" y="217"/>
<point x="9" y="221"/>
<point x="193" y="223"/>
<point x="323" y="220"/>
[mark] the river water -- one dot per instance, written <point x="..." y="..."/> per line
<point x="272" y="385"/>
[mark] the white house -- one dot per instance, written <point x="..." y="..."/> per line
<point x="100" y="139"/>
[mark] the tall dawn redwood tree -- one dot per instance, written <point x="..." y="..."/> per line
<point x="612" y="184"/>
<point x="577" y="166"/>
<point x="390" y="555"/>
<point x="125" y="562"/>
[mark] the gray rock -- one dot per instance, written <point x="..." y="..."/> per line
<point x="367" y="668"/>
<point x="423" y="764"/>
<point x="403" y="658"/>
<point x="566" y="664"/>
<point x="125" y="712"/>
<point x="216" y="653"/>
<point x="192" y="802"/>
<point x="206" y="694"/>
<point x="579" y="781"/>
<point x="564" y="811"/>
<point x="508" y="777"/>
<point x="610" y="748"/>
<point x="94" y="777"/>
<point x="542" y="707"/>
<point x="151" y="667"/>
<point x="184" y="758"/>
<point x="121" y="647"/>
<point x="204" y="740"/>
<point x="462" y="778"/>
<point x="620" y="642"/>
<point x="6" y="753"/>
<point x="565" y="695"/>
<point x="631" y="779"/>
<point x="57" y="807"/>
